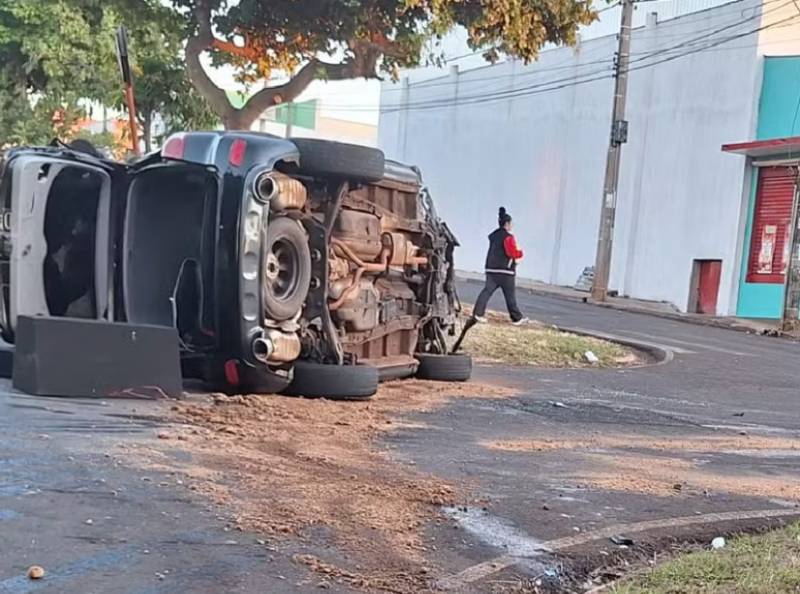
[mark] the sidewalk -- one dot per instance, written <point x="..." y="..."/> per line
<point x="653" y="308"/>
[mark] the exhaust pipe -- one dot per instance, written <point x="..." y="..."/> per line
<point x="266" y="187"/>
<point x="280" y="191"/>
<point x="276" y="347"/>
<point x="262" y="349"/>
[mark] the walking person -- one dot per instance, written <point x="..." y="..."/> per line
<point x="501" y="270"/>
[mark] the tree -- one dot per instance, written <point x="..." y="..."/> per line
<point x="48" y="62"/>
<point x="163" y="90"/>
<point x="345" y="39"/>
<point x="162" y="87"/>
<point x="57" y="54"/>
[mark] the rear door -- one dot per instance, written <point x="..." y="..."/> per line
<point x="56" y="246"/>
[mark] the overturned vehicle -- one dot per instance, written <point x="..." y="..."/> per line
<point x="301" y="266"/>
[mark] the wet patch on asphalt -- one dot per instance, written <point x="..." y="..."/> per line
<point x="595" y="413"/>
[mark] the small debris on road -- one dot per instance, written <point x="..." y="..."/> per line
<point x="558" y="404"/>
<point x="677" y="486"/>
<point x="622" y="541"/>
<point x="591" y="357"/>
<point x="718" y="543"/>
<point x="89" y="522"/>
<point x="739" y="414"/>
<point x="35" y="572"/>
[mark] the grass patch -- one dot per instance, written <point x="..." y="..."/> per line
<point x="763" y="564"/>
<point x="534" y="344"/>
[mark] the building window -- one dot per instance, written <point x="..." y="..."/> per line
<point x="769" y="240"/>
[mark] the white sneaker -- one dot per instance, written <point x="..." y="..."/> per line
<point x="480" y="319"/>
<point x="521" y="322"/>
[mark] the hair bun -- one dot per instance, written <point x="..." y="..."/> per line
<point x="502" y="211"/>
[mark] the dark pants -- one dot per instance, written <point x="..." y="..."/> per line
<point x="507" y="283"/>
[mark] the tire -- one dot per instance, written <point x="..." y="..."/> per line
<point x="286" y="269"/>
<point x="337" y="159"/>
<point x="335" y="382"/>
<point x="444" y="368"/>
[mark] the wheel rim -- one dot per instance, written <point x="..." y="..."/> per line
<point x="283" y="263"/>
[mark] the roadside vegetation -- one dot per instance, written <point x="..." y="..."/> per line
<point x="498" y="341"/>
<point x="762" y="564"/>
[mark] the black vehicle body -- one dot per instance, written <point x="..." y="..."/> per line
<point x="183" y="237"/>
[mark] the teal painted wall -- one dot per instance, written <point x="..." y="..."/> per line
<point x="756" y="300"/>
<point x="780" y="92"/>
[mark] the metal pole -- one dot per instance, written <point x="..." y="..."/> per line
<point x="127" y="80"/>
<point x="619" y="135"/>
<point x="131" y="101"/>
<point x="289" y="115"/>
<point x="791" y="289"/>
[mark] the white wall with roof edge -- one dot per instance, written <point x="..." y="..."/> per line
<point x="542" y="154"/>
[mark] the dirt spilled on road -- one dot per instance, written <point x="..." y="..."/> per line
<point x="311" y="469"/>
<point x="671" y="466"/>
<point x="712" y="443"/>
<point x="670" y="476"/>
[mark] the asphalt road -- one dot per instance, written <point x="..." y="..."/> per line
<point x="149" y="534"/>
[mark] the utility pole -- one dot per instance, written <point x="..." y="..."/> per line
<point x="619" y="136"/>
<point x="289" y="116"/>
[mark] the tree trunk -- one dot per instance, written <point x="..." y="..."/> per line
<point x="237" y="119"/>
<point x="147" y="132"/>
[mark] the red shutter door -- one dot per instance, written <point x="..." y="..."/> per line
<point x="771" y="221"/>
<point x="708" y="286"/>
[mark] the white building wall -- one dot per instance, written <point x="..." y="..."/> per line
<point x="542" y="154"/>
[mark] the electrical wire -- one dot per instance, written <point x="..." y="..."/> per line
<point x="700" y="36"/>
<point x="557" y="84"/>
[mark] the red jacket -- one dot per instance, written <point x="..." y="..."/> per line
<point x="510" y="246"/>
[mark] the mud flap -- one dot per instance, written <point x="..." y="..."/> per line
<point x="68" y="357"/>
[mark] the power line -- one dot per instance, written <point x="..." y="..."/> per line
<point x="718" y="30"/>
<point x="558" y="84"/>
<point x="701" y="35"/>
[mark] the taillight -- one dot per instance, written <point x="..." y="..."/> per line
<point x="236" y="154"/>
<point x="174" y="147"/>
<point x="232" y="372"/>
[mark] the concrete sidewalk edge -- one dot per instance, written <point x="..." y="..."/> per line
<point x="630" y="305"/>
<point x="661" y="355"/>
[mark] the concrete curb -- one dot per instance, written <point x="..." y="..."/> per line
<point x="676" y="316"/>
<point x="660" y="355"/>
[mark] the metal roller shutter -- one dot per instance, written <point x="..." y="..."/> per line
<point x="771" y="221"/>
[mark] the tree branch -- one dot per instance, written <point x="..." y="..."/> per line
<point x="231" y="48"/>
<point x="311" y="71"/>
<point x="362" y="63"/>
<point x="195" y="47"/>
